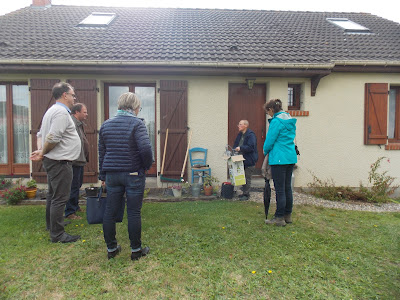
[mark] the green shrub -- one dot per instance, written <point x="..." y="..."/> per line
<point x="382" y="184"/>
<point x="380" y="191"/>
<point x="31" y="183"/>
<point x="14" y="195"/>
<point x="5" y="183"/>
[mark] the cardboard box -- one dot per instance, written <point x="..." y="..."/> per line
<point x="236" y="170"/>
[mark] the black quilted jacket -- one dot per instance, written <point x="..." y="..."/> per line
<point x="124" y="146"/>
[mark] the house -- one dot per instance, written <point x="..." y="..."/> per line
<point x="203" y="70"/>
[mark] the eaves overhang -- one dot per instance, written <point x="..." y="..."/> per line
<point x="171" y="67"/>
<point x="313" y="71"/>
<point x="359" y="66"/>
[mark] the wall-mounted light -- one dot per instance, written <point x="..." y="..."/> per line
<point x="250" y="82"/>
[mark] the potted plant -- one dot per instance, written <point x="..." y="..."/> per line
<point x="177" y="190"/>
<point x="208" y="184"/>
<point x="185" y="188"/>
<point x="31" y="189"/>
<point x="92" y="191"/>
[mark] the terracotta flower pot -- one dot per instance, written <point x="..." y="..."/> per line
<point x="31" y="192"/>
<point x="208" y="190"/>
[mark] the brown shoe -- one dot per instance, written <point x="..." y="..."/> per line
<point x="288" y="218"/>
<point x="277" y="221"/>
<point x="74" y="217"/>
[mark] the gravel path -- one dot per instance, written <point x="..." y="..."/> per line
<point x="300" y="198"/>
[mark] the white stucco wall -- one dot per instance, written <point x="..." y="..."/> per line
<point x="330" y="138"/>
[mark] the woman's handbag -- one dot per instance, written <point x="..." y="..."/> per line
<point x="96" y="206"/>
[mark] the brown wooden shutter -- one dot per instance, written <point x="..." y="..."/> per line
<point x="41" y="100"/>
<point x="173" y="115"/>
<point x="376" y="103"/>
<point x="86" y="93"/>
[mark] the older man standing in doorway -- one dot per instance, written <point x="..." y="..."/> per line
<point x="246" y="144"/>
<point x="79" y="114"/>
<point x="58" y="145"/>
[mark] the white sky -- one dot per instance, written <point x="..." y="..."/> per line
<point x="387" y="9"/>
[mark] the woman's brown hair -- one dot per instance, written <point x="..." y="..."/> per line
<point x="274" y="104"/>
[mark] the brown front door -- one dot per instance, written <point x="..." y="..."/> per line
<point x="245" y="104"/>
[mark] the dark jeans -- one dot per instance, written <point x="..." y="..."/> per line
<point x="77" y="180"/>
<point x="267" y="197"/>
<point x="282" y="176"/>
<point x="59" y="178"/>
<point x="119" y="183"/>
<point x="248" y="172"/>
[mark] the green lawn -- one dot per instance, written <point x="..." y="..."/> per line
<point x="216" y="249"/>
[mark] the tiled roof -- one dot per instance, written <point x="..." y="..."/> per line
<point x="195" y="35"/>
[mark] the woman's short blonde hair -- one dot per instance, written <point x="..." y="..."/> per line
<point x="128" y="101"/>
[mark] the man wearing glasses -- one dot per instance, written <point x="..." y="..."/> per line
<point x="246" y="144"/>
<point x="58" y="145"/>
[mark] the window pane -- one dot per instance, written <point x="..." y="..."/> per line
<point x="348" y="26"/>
<point x="147" y="96"/>
<point x="3" y="126"/>
<point x="114" y="93"/>
<point x="98" y="19"/>
<point x="392" y="113"/>
<point x="20" y="100"/>
<point x="290" y="96"/>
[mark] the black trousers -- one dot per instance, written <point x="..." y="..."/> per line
<point x="59" y="178"/>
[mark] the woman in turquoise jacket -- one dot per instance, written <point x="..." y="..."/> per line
<point x="280" y="146"/>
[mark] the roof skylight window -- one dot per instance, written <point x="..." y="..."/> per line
<point x="97" y="19"/>
<point x="348" y="26"/>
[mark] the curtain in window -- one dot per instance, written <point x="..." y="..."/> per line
<point x="21" y="123"/>
<point x="3" y="126"/>
<point x="147" y="96"/>
<point x="114" y="93"/>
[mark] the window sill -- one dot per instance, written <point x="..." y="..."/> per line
<point x="392" y="146"/>
<point x="298" y="113"/>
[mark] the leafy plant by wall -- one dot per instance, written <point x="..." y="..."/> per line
<point x="382" y="186"/>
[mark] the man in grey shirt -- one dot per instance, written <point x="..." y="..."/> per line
<point x="58" y="145"/>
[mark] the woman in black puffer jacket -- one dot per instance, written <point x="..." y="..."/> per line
<point x="124" y="156"/>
